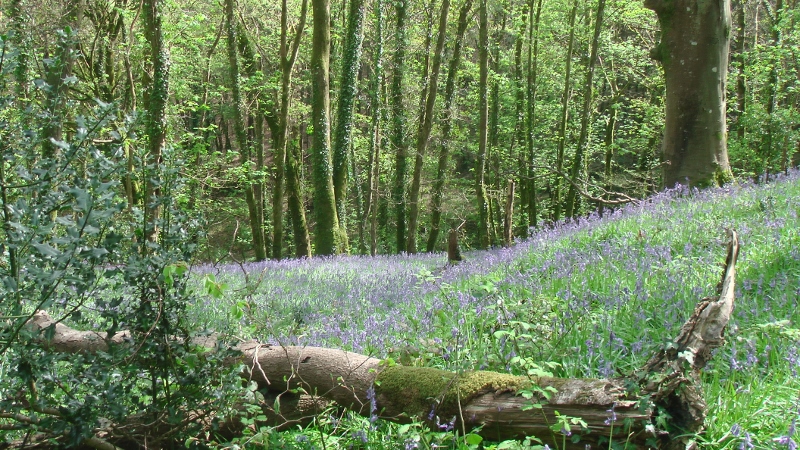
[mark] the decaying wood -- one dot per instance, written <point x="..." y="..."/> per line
<point x="499" y="406"/>
<point x="453" y="251"/>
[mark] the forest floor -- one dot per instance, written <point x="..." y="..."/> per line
<point x="590" y="298"/>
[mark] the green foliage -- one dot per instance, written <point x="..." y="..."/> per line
<point x="71" y="247"/>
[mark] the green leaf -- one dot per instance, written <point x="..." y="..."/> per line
<point x="473" y="439"/>
<point x="46" y="250"/>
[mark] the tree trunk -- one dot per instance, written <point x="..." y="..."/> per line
<point x="532" y="205"/>
<point x="447" y="126"/>
<point x="562" y="125"/>
<point x="586" y="113"/>
<point x="376" y="101"/>
<point x="661" y="405"/>
<point x="768" y="145"/>
<point x="399" y="125"/>
<point x="158" y="95"/>
<point x="508" y="229"/>
<point x="518" y="143"/>
<point x="741" y="85"/>
<point x="351" y="60"/>
<point x="483" y="126"/>
<point x="240" y="131"/>
<point x="326" y="233"/>
<point x="297" y="210"/>
<point x="425" y="127"/>
<point x="282" y="155"/>
<point x="693" y="51"/>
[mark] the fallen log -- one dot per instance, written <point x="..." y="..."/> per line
<point x="497" y="406"/>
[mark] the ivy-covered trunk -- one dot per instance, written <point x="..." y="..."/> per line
<point x="326" y="237"/>
<point x="483" y="125"/>
<point x="399" y="125"/>
<point x="156" y="114"/>
<point x="354" y="35"/>
<point x="693" y="51"/>
<point x="378" y="112"/>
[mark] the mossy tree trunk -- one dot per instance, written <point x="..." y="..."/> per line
<point x="348" y="84"/>
<point x="398" y="140"/>
<point x="447" y="126"/>
<point x="326" y="233"/>
<point x="157" y="97"/>
<point x="483" y="125"/>
<point x="424" y="131"/>
<point x="695" y="37"/>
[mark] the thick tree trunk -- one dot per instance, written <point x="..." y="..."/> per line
<point x="297" y="210"/>
<point x="629" y="409"/>
<point x="351" y="60"/>
<point x="695" y="37"/>
<point x="326" y="233"/>
<point x="399" y="125"/>
<point x="741" y="85"/>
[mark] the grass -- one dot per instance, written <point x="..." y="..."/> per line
<point x="591" y="298"/>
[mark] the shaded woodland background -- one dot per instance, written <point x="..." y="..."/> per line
<point x="565" y="133"/>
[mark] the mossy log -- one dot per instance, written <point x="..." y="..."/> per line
<point x="659" y="406"/>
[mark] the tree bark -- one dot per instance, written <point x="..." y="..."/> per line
<point x="424" y="132"/>
<point x="693" y="51"/>
<point x="483" y="125"/>
<point x="326" y="233"/>
<point x="240" y="132"/>
<point x="286" y="162"/>
<point x="351" y="60"/>
<point x="532" y="205"/>
<point x="447" y="126"/>
<point x="508" y="216"/>
<point x="158" y="95"/>
<point x="399" y="125"/>
<point x="741" y="85"/>
<point x="378" y="110"/>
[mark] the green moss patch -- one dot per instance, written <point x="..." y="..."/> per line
<point x="416" y="390"/>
